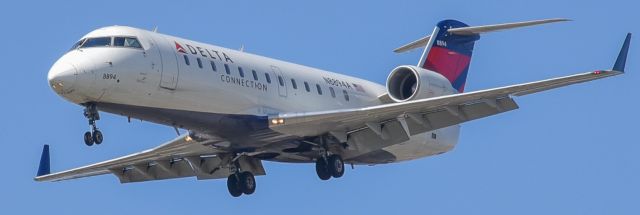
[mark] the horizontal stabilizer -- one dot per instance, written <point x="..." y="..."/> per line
<point x="490" y="28"/>
<point x="476" y="30"/>
<point x="419" y="43"/>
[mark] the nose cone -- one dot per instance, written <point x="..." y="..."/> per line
<point x="62" y="76"/>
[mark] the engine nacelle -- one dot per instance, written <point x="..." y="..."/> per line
<point x="406" y="83"/>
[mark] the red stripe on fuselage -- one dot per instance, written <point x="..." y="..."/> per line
<point x="446" y="62"/>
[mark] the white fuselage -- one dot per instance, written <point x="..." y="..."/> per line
<point x="156" y="84"/>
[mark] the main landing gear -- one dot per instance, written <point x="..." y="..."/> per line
<point x="240" y="182"/>
<point x="93" y="136"/>
<point x="328" y="166"/>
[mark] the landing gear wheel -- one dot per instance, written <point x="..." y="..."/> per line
<point x="336" y="166"/>
<point x="88" y="138"/>
<point x="233" y="184"/>
<point x="322" y="169"/>
<point x="97" y="137"/>
<point x="247" y="182"/>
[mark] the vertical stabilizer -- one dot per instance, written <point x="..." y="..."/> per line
<point x="449" y="54"/>
<point x="448" y="49"/>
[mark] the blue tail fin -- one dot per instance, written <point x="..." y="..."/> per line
<point x="449" y="54"/>
<point x="44" y="168"/>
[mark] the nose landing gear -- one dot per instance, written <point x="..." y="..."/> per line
<point x="93" y="136"/>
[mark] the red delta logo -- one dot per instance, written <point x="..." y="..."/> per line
<point x="179" y="48"/>
<point x="204" y="52"/>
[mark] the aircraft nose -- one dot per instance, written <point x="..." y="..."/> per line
<point x="62" y="76"/>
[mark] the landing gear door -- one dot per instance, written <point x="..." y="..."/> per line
<point x="170" y="70"/>
<point x="280" y="81"/>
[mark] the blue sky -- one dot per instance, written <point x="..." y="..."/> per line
<point x="567" y="151"/>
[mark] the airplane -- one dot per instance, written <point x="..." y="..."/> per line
<point x="241" y="109"/>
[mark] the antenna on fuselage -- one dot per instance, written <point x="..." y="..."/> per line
<point x="242" y="48"/>
<point x="176" y="128"/>
<point x="155" y="29"/>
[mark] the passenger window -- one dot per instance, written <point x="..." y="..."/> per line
<point x="186" y="60"/>
<point x="213" y="66"/>
<point x="293" y="84"/>
<point x="280" y="80"/>
<point x="346" y="96"/>
<point x="333" y="93"/>
<point x="241" y="72"/>
<point x="199" y="62"/>
<point x="226" y="68"/>
<point x="97" y="42"/>
<point x="319" y="89"/>
<point x="306" y="86"/>
<point x="266" y="75"/>
<point x="131" y="42"/>
<point x="255" y="75"/>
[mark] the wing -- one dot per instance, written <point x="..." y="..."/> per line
<point x="371" y="128"/>
<point x="457" y="105"/>
<point x="182" y="157"/>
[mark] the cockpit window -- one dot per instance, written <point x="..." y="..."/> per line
<point x="75" y="46"/>
<point x="131" y="42"/>
<point x="97" y="42"/>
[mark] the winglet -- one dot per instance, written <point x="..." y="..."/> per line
<point x="44" y="168"/>
<point x="622" y="57"/>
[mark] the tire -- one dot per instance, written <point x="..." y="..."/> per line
<point x="88" y="138"/>
<point x="336" y="166"/>
<point x="97" y="137"/>
<point x="234" y="186"/>
<point x="322" y="170"/>
<point x="247" y="183"/>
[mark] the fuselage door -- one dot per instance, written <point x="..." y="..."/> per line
<point x="280" y="81"/>
<point x="170" y="70"/>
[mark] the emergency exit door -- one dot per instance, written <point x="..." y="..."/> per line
<point x="280" y="81"/>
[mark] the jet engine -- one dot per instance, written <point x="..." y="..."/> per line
<point x="406" y="83"/>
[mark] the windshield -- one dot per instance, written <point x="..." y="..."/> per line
<point x="97" y="42"/>
<point x="129" y="42"/>
<point x="126" y="42"/>
<point x="75" y="46"/>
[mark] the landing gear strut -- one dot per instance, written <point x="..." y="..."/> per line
<point x="93" y="136"/>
